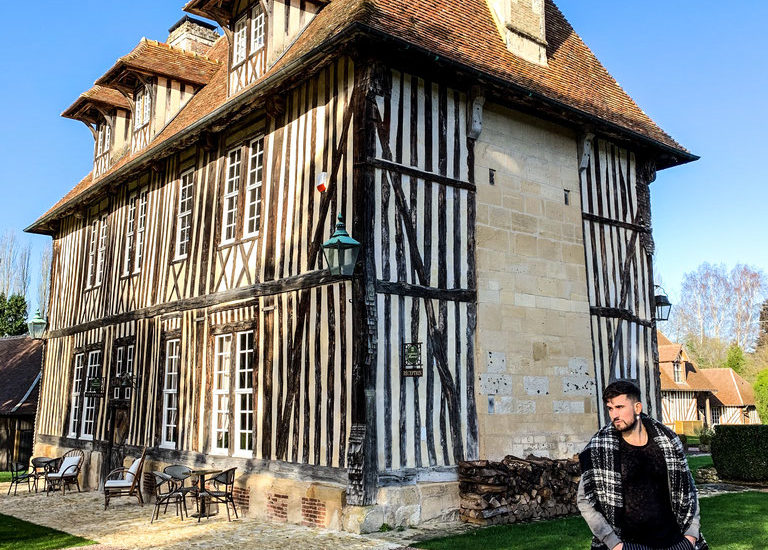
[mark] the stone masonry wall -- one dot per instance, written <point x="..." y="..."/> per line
<point x="535" y="381"/>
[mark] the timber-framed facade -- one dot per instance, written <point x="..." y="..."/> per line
<point x="505" y="252"/>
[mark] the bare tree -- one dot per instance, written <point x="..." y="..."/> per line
<point x="21" y="271"/>
<point x="8" y="253"/>
<point x="44" y="284"/>
<point x="748" y="286"/>
<point x="717" y="308"/>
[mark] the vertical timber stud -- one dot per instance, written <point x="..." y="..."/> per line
<point x="646" y="175"/>
<point x="362" y="463"/>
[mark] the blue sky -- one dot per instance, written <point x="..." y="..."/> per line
<point x="696" y="67"/>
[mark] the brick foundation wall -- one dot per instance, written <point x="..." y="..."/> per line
<point x="277" y="507"/>
<point x="242" y="498"/>
<point x="312" y="512"/>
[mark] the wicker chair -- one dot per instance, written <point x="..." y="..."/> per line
<point x="19" y="475"/>
<point x="125" y="482"/>
<point x="225" y="480"/>
<point x="66" y="472"/>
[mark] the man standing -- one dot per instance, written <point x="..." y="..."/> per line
<point x="636" y="491"/>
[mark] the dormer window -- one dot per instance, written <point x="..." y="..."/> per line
<point x="103" y="145"/>
<point x="257" y="29"/>
<point x="249" y="59"/>
<point x="678" y="372"/>
<point x="143" y="108"/>
<point x="241" y="30"/>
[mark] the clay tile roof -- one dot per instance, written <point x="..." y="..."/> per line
<point x="732" y="389"/>
<point x="96" y="95"/>
<point x="20" y="363"/>
<point x="661" y="339"/>
<point x="670" y="352"/>
<point x="460" y="31"/>
<point x="156" y="58"/>
<point x="695" y="379"/>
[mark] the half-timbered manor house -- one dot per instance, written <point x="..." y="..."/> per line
<point x="497" y="179"/>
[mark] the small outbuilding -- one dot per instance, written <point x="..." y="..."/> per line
<point x="20" y="369"/>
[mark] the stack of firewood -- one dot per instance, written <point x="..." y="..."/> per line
<point x="517" y="489"/>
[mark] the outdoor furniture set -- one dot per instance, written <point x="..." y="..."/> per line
<point x="171" y="488"/>
<point x="56" y="473"/>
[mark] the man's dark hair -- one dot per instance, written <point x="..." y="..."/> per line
<point x="621" y="387"/>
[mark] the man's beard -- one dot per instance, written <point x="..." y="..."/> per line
<point x="628" y="427"/>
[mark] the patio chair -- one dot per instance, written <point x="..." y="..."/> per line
<point x="19" y="474"/>
<point x="225" y="480"/>
<point x="41" y="465"/>
<point x="66" y="472"/>
<point x="122" y="482"/>
<point x="180" y="475"/>
<point x="167" y="491"/>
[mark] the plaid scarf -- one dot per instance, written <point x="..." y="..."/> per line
<point x="601" y="472"/>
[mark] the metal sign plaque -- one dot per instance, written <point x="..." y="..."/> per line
<point x="412" y="366"/>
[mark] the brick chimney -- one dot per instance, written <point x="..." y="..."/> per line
<point x="522" y="25"/>
<point x="192" y="35"/>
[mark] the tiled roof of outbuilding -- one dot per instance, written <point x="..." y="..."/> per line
<point x="732" y="389"/>
<point x="20" y="364"/>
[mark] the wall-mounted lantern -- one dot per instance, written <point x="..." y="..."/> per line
<point x="37" y="326"/>
<point x="341" y="251"/>
<point x="662" y="303"/>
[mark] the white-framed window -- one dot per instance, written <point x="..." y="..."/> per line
<point x="716" y="412"/>
<point x="184" y="217"/>
<point x="101" y="254"/>
<point x="104" y="138"/>
<point x="678" y="368"/>
<point x="97" y="250"/>
<point x="143" y="108"/>
<point x="241" y="31"/>
<point x="221" y="368"/>
<point x="123" y="366"/>
<point x="244" y="394"/>
<point x="171" y="393"/>
<point x="253" y="188"/>
<point x="141" y="224"/>
<point x="92" y="243"/>
<point x="130" y="233"/>
<point x="231" y="191"/>
<point x="77" y="388"/>
<point x="257" y="29"/>
<point x="89" y="403"/>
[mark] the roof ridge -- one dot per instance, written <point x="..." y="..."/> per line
<point x="182" y="51"/>
<point x="738" y="391"/>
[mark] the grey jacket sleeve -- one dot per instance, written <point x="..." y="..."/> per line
<point x="596" y="521"/>
<point x="695" y="529"/>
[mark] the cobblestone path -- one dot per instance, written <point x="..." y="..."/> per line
<point x="126" y="525"/>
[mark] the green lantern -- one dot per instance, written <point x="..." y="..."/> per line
<point x="341" y="251"/>
<point x="37" y="326"/>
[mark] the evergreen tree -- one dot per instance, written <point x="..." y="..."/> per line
<point x="761" y="395"/>
<point x="13" y="315"/>
<point x="736" y="359"/>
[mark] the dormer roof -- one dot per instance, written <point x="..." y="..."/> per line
<point x="220" y="10"/>
<point x="90" y="104"/>
<point x="152" y="58"/>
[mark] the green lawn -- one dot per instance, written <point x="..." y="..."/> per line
<point x="729" y="522"/>
<point x="696" y="462"/>
<point x="16" y="534"/>
<point x="5" y="477"/>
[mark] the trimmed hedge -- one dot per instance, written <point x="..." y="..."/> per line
<point x="740" y="453"/>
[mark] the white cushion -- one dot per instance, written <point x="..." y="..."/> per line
<point x="117" y="483"/>
<point x="66" y="466"/>
<point x="133" y="469"/>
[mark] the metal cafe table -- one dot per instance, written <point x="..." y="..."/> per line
<point x="204" y="505"/>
